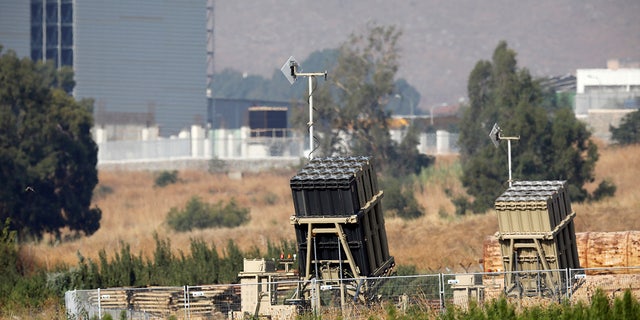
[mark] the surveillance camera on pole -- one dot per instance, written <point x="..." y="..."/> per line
<point x="290" y="69"/>
<point x="496" y="135"/>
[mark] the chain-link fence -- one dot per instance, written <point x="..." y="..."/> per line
<point x="350" y="298"/>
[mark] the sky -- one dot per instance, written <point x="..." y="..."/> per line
<point x="441" y="41"/>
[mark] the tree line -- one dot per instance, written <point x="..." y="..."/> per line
<point x="24" y="284"/>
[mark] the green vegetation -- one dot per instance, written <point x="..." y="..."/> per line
<point x="23" y="288"/>
<point x="352" y="112"/>
<point x="20" y="285"/>
<point x="204" y="264"/>
<point x="47" y="155"/>
<point x="601" y="307"/>
<point x="165" y="178"/>
<point x="553" y="144"/>
<point x="399" y="199"/>
<point x="629" y="130"/>
<point x="353" y="103"/>
<point x="200" y="215"/>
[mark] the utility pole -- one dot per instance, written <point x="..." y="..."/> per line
<point x="290" y="71"/>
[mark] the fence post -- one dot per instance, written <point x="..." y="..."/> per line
<point x="441" y="289"/>
<point x="568" y="283"/>
<point x="314" y="296"/>
<point x="99" y="307"/>
<point x="185" y="296"/>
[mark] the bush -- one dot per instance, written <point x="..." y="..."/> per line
<point x="102" y="191"/>
<point x="605" y="189"/>
<point x="200" y="215"/>
<point x="629" y="130"/>
<point x="166" y="178"/>
<point x="400" y="200"/>
<point x="218" y="166"/>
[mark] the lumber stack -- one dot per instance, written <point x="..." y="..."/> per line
<point x="164" y="301"/>
<point x="595" y="250"/>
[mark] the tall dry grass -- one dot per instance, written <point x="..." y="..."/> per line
<point x="438" y="240"/>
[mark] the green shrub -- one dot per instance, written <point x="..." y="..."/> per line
<point x="606" y="188"/>
<point x="629" y="130"/>
<point x="218" y="166"/>
<point x="166" y="178"/>
<point x="200" y="215"/>
<point x="102" y="191"/>
<point x="400" y="200"/>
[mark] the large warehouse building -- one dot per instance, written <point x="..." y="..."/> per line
<point x="142" y="62"/>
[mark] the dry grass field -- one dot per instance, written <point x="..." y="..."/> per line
<point x="135" y="210"/>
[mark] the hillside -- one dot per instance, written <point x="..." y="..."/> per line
<point x="441" y="41"/>
<point x="134" y="210"/>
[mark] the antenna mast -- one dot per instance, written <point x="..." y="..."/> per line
<point x="496" y="136"/>
<point x="290" y="71"/>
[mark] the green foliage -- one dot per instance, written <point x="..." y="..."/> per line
<point x="601" y="307"/>
<point x="400" y="200"/>
<point x="17" y="287"/>
<point x="200" y="215"/>
<point x="628" y="132"/>
<point x="626" y="307"/>
<point x="461" y="203"/>
<point x="165" y="178"/>
<point x="102" y="191"/>
<point x="553" y="144"/>
<point x="9" y="274"/>
<point x="606" y="188"/>
<point x="47" y="154"/>
<point x="352" y="108"/>
<point x="202" y="264"/>
<point x="218" y="166"/>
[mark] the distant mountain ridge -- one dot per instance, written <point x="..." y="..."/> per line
<point x="442" y="40"/>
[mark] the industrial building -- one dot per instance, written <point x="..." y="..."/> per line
<point x="605" y="96"/>
<point x="144" y="64"/>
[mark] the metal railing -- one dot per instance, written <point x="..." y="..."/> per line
<point x="430" y="292"/>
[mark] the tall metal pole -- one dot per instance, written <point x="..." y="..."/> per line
<point x="290" y="71"/>
<point x="310" y="124"/>
<point x="509" y="150"/>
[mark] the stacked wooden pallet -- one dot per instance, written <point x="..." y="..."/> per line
<point x="156" y="300"/>
<point x="163" y="301"/>
<point x="201" y="300"/>
<point x="116" y="298"/>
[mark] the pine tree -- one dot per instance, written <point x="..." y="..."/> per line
<point x="553" y="144"/>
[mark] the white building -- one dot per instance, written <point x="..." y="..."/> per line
<point x="605" y="96"/>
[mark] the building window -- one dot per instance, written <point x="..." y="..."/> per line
<point x="36" y="13"/>
<point x="66" y="58"/>
<point x="52" y="54"/>
<point x="67" y="36"/>
<point x="52" y="13"/>
<point x="36" y="53"/>
<point x="52" y="36"/>
<point x="66" y="12"/>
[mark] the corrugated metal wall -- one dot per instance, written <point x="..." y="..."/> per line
<point x="14" y="27"/>
<point x="142" y="56"/>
